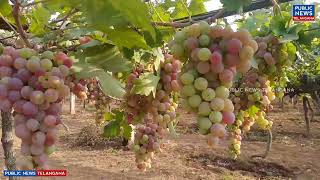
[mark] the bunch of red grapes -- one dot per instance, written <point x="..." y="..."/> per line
<point x="214" y="55"/>
<point x="78" y="87"/>
<point x="98" y="99"/>
<point x="146" y="144"/>
<point x="33" y="86"/>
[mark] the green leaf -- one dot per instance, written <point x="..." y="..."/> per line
<point x="146" y="84"/>
<point x="126" y="38"/>
<point x="108" y="116"/>
<point x="109" y="85"/>
<point x="179" y="10"/>
<point x="136" y="12"/>
<point x="6" y="11"/>
<point x="112" y="129"/>
<point x="127" y="131"/>
<point x="39" y="18"/>
<point x="197" y="7"/>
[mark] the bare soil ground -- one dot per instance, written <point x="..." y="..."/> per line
<point x="293" y="155"/>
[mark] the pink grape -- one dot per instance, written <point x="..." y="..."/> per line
<point x="54" y="109"/>
<point x="194" y="54"/>
<point x="176" y="64"/>
<point x="14" y="96"/>
<point x="6" y="60"/>
<point x="191" y="43"/>
<point x="33" y="64"/>
<point x="51" y="95"/>
<point x="33" y="124"/>
<point x="5" y="72"/>
<point x="168" y="67"/>
<point x="37" y="149"/>
<point x="19" y="119"/>
<point x="64" y="70"/>
<point x="49" y="140"/>
<point x="68" y="62"/>
<point x="203" y="67"/>
<point x="3" y="91"/>
<point x="15" y="84"/>
<point x="226" y="76"/>
<point x="24" y="75"/>
<point x="166" y="78"/>
<point x="232" y="60"/>
<point x="5" y="105"/>
<point x="38" y="138"/>
<point x="216" y="58"/>
<point x="29" y="109"/>
<point x="25" y="149"/>
<point x="26" y="92"/>
<point x="228" y="118"/>
<point x="175" y="85"/>
<point x="218" y="130"/>
<point x="56" y="72"/>
<point x="217" y="68"/>
<point x="234" y="46"/>
<point x="19" y="63"/>
<point x="50" y="120"/>
<point x="22" y="131"/>
<point x="214" y="48"/>
<point x="37" y="97"/>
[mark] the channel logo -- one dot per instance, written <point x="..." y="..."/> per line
<point x="303" y="13"/>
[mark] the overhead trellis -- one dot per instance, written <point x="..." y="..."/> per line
<point x="211" y="16"/>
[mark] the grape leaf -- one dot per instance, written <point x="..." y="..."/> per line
<point x="127" y="130"/>
<point x="39" y="17"/>
<point x="136" y="12"/>
<point x="112" y="129"/>
<point x="146" y="84"/>
<point x="197" y="7"/>
<point x="126" y="38"/>
<point x="109" y="85"/>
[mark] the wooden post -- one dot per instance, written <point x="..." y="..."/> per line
<point x="72" y="103"/>
<point x="7" y="142"/>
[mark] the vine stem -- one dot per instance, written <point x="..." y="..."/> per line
<point x="16" y="16"/>
<point x="7" y="142"/>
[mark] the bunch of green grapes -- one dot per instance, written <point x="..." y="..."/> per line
<point x="214" y="55"/>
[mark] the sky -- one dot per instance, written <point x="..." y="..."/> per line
<point x="215" y="4"/>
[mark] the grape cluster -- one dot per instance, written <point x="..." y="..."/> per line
<point x="98" y="99"/>
<point x="78" y="87"/>
<point x="273" y="58"/>
<point x="166" y="102"/>
<point x="33" y="86"/>
<point x="146" y="143"/>
<point x="254" y="92"/>
<point x="214" y="55"/>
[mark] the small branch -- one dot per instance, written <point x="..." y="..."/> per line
<point x="311" y="29"/>
<point x="72" y="12"/>
<point x="4" y="19"/>
<point x="16" y="15"/>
